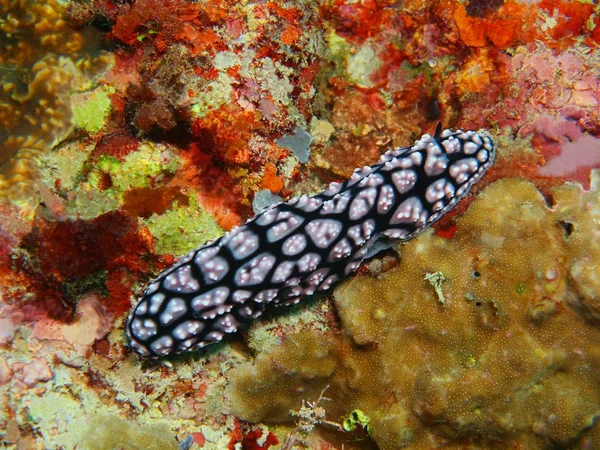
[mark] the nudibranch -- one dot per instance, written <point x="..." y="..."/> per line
<point x="296" y="248"/>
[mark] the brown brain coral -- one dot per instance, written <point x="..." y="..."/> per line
<point x="31" y="29"/>
<point x="510" y="356"/>
<point x="35" y="116"/>
<point x="39" y="68"/>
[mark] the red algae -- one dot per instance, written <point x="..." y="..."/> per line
<point x="78" y="248"/>
<point x="226" y="132"/>
<point x="65" y="252"/>
<point x="218" y="191"/>
<point x="572" y="17"/>
<point x="135" y="21"/>
<point x="118" y="144"/>
<point x="251" y="439"/>
<point x="145" y="201"/>
<point x="361" y="20"/>
<point x="120" y="285"/>
<point x="518" y="23"/>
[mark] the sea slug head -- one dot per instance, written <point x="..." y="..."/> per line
<point x="432" y="176"/>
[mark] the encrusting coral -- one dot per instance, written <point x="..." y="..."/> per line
<point x="29" y="30"/>
<point x="509" y="357"/>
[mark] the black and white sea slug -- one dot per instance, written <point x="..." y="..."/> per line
<point x="302" y="246"/>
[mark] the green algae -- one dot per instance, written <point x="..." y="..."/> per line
<point x="339" y="50"/>
<point x="141" y="167"/>
<point x="182" y="228"/>
<point x="138" y="169"/>
<point x="357" y="418"/>
<point x="96" y="282"/>
<point x="91" y="109"/>
<point x="65" y="165"/>
<point x="72" y="169"/>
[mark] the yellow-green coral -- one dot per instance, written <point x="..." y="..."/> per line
<point x="112" y="432"/>
<point x="90" y="110"/>
<point x="71" y="167"/>
<point x="142" y="166"/>
<point x="183" y="228"/>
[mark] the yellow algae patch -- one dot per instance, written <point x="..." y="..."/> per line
<point x="112" y="432"/>
<point x="510" y="356"/>
<point x="289" y="374"/>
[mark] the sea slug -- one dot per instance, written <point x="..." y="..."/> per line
<point x="296" y="248"/>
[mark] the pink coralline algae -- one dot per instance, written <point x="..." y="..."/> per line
<point x="31" y="373"/>
<point x="91" y="324"/>
<point x="576" y="157"/>
<point x="11" y="319"/>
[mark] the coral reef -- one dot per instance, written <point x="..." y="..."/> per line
<point x="510" y="356"/>
<point x="131" y="132"/>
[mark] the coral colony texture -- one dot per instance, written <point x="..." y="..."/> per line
<point x="132" y="133"/>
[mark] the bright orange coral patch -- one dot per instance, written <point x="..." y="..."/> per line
<point x="290" y="35"/>
<point x="225" y="132"/>
<point x="571" y="17"/>
<point x="506" y="27"/>
<point x="290" y="15"/>
<point x="218" y="193"/>
<point x="271" y="180"/>
<point x="358" y="21"/>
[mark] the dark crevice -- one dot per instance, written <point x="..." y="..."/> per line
<point x="567" y="227"/>
<point x="482" y="8"/>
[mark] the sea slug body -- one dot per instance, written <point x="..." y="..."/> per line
<point x="302" y="246"/>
